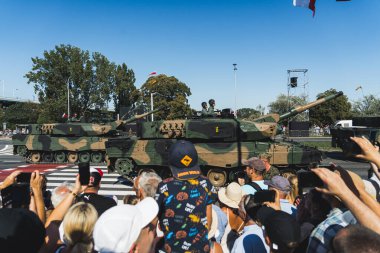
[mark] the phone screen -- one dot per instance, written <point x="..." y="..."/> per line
<point x="308" y="179"/>
<point x="24" y="177"/>
<point x="264" y="196"/>
<point x="84" y="173"/>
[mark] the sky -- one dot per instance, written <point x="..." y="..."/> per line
<point x="197" y="41"/>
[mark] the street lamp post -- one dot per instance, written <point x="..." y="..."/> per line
<point x="235" y="68"/>
<point x="3" y="86"/>
<point x="68" y="98"/>
<point x="151" y="104"/>
<point x="14" y="92"/>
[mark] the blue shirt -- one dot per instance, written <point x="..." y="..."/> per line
<point x="247" y="189"/>
<point x="288" y="208"/>
<point x="222" y="223"/>
<point x="252" y="241"/>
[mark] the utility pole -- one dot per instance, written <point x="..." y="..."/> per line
<point x="235" y="68"/>
<point x="151" y="104"/>
<point x="68" y="98"/>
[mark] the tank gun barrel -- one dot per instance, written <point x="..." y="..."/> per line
<point x="139" y="116"/>
<point x="303" y="108"/>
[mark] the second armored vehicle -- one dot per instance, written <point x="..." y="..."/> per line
<point x="68" y="142"/>
<point x="221" y="144"/>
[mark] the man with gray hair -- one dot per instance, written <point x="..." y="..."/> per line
<point x="60" y="192"/>
<point x="146" y="184"/>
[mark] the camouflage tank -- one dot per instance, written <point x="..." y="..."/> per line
<point x="68" y="142"/>
<point x="221" y="144"/>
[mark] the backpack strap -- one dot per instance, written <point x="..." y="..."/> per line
<point x="255" y="186"/>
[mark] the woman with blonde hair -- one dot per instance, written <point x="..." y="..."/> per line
<point x="78" y="226"/>
<point x="293" y="194"/>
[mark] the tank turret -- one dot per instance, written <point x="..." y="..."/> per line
<point x="69" y="142"/>
<point x="221" y="144"/>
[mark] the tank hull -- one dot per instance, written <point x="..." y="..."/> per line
<point x="127" y="156"/>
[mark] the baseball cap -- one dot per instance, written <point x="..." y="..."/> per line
<point x="21" y="231"/>
<point x="282" y="230"/>
<point x="183" y="160"/>
<point x="119" y="227"/>
<point x="231" y="195"/>
<point x="95" y="176"/>
<point x="254" y="163"/>
<point x="280" y="183"/>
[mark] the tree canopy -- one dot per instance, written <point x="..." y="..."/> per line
<point x="245" y="113"/>
<point x="170" y="94"/>
<point x="21" y="113"/>
<point x="367" y="106"/>
<point x="93" y="81"/>
<point x="331" y="111"/>
<point x="283" y="104"/>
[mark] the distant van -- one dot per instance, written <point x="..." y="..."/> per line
<point x="344" y="123"/>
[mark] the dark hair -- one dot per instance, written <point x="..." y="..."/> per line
<point x="204" y="104"/>
<point x="211" y="101"/>
<point x="356" y="238"/>
<point x="251" y="207"/>
<point x="313" y="208"/>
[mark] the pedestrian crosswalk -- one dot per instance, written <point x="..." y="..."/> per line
<point x="7" y="150"/>
<point x="107" y="187"/>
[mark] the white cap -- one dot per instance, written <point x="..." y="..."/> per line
<point x="119" y="227"/>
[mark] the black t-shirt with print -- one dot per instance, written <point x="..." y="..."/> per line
<point x="182" y="213"/>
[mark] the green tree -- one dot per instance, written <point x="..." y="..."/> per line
<point x="21" y="113"/>
<point x="283" y="104"/>
<point x="368" y="106"/>
<point x="125" y="94"/>
<point x="331" y="111"/>
<point x="90" y="77"/>
<point x="169" y="94"/>
<point x="245" y="113"/>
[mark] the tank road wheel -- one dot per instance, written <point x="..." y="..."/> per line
<point x="47" y="157"/>
<point x="84" y="157"/>
<point x="96" y="157"/>
<point x="217" y="177"/>
<point x="35" y="157"/>
<point x="21" y="150"/>
<point x="60" y="157"/>
<point x="124" y="166"/>
<point x="72" y="157"/>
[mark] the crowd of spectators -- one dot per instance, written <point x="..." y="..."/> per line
<point x="263" y="210"/>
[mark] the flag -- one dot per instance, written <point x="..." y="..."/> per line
<point x="305" y="3"/>
<point x="64" y="116"/>
<point x="153" y="73"/>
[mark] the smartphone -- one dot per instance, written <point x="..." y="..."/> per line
<point x="308" y="179"/>
<point x="16" y="196"/>
<point x="24" y="177"/>
<point x="84" y="173"/>
<point x="264" y="196"/>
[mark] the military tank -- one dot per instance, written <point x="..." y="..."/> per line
<point x="221" y="144"/>
<point x="68" y="142"/>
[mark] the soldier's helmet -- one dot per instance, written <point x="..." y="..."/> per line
<point x="211" y="102"/>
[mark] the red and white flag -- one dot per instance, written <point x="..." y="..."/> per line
<point x="305" y="3"/>
<point x="153" y="73"/>
<point x="64" y="116"/>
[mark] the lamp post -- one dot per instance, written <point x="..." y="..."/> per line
<point x="68" y="98"/>
<point x="3" y="86"/>
<point x="151" y="104"/>
<point x="14" y="92"/>
<point x="235" y="68"/>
